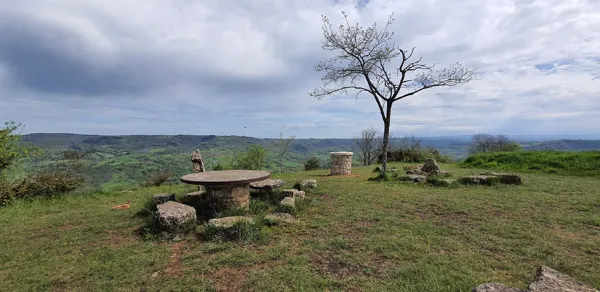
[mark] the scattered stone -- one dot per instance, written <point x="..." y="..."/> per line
<point x="309" y="184"/>
<point x="228" y="222"/>
<point x="440" y="173"/>
<point x="430" y="166"/>
<point x="163" y="198"/>
<point x="479" y="179"/>
<point x="293" y="193"/>
<point x="505" y="178"/>
<point x="267" y="184"/>
<point x="550" y="280"/>
<point x="494" y="287"/>
<point x="281" y="218"/>
<point x="154" y="275"/>
<point x="416" y="172"/>
<point x="546" y="280"/>
<point x="417" y="178"/>
<point x="193" y="197"/>
<point x="289" y="202"/>
<point x="173" y="216"/>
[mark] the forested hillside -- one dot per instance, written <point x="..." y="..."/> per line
<point x="113" y="161"/>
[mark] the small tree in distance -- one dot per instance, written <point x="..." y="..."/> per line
<point x="368" y="146"/>
<point x="281" y="148"/>
<point x="363" y="64"/>
<point x="483" y="143"/>
<point x="312" y="163"/>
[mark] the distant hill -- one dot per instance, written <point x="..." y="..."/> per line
<point x="114" y="161"/>
<point x="566" y="145"/>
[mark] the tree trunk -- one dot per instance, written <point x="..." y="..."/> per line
<point x="386" y="137"/>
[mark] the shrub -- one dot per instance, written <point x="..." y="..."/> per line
<point x="298" y="186"/>
<point x="312" y="163"/>
<point x="219" y="166"/>
<point x="159" y="178"/>
<point x="47" y="184"/>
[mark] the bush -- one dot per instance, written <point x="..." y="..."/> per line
<point x="47" y="184"/>
<point x="312" y="163"/>
<point x="159" y="178"/>
<point x="219" y="166"/>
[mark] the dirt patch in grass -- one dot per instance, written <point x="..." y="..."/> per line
<point x="325" y="263"/>
<point x="233" y="278"/>
<point x="118" y="238"/>
<point x="175" y="269"/>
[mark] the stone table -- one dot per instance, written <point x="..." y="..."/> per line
<point x="228" y="188"/>
<point x="341" y="163"/>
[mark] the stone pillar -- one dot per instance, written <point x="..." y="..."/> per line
<point x="341" y="163"/>
<point x="229" y="196"/>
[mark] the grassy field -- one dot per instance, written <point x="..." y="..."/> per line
<point x="355" y="235"/>
<point x="584" y="163"/>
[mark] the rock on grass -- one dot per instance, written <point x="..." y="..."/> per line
<point x="176" y="217"/>
<point x="228" y="222"/>
<point x="281" y="219"/>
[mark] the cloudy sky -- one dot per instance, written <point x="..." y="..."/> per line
<point x="237" y="67"/>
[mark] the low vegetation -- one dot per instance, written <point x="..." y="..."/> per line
<point x="586" y="163"/>
<point x="354" y="234"/>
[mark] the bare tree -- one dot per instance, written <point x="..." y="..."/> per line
<point x="368" y="146"/>
<point x="367" y="61"/>
<point x="482" y="143"/>
<point x="281" y="148"/>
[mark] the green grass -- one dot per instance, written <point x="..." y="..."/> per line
<point x="355" y="235"/>
<point x="585" y="163"/>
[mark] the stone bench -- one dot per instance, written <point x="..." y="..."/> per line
<point x="267" y="184"/>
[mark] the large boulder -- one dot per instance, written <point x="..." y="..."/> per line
<point x="495" y="287"/>
<point x="430" y="166"/>
<point x="549" y="280"/>
<point x="228" y="222"/>
<point x="267" y="184"/>
<point x="176" y="217"/>
<point x="163" y="198"/>
<point x="308" y="184"/>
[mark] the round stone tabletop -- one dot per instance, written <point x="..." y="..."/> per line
<point x="225" y="177"/>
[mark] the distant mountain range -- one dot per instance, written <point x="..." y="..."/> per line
<point x="122" y="161"/>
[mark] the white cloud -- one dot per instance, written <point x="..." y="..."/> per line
<point x="215" y="67"/>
